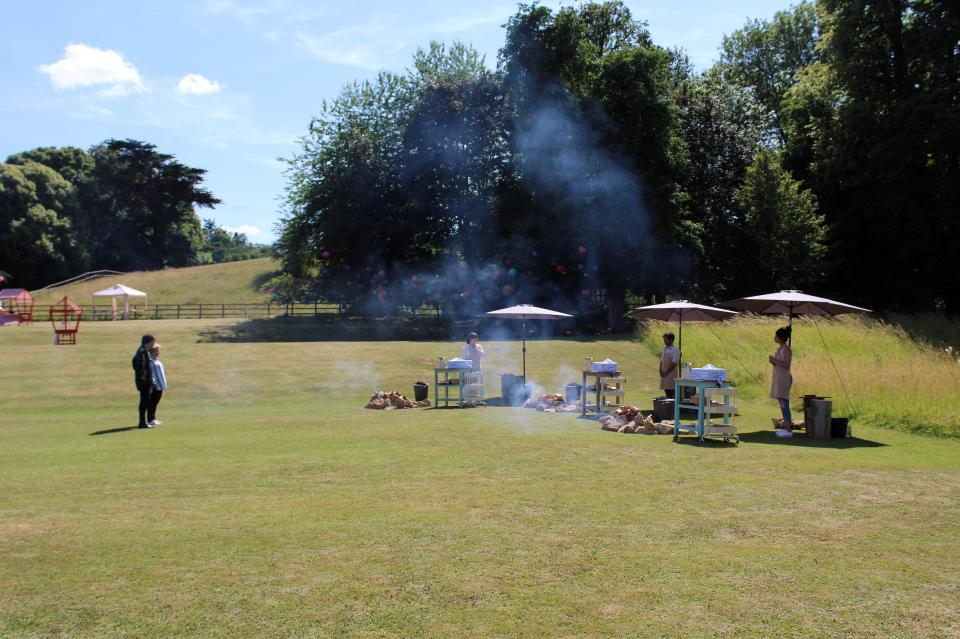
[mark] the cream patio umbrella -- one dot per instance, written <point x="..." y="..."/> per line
<point x="793" y="303"/>
<point x="679" y="311"/>
<point x="524" y="312"/>
<point x="120" y="291"/>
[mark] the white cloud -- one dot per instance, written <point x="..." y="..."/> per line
<point x="375" y="44"/>
<point x="246" y="229"/>
<point x="86" y="66"/>
<point x="337" y="48"/>
<point x="196" y="84"/>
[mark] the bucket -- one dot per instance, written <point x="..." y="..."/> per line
<point x="420" y="391"/>
<point x="839" y="427"/>
<point x="818" y="421"/>
<point x="571" y="393"/>
<point x="662" y="409"/>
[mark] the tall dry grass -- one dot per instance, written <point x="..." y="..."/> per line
<point x="875" y="371"/>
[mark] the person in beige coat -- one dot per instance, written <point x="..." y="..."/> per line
<point x="782" y="379"/>
<point x="669" y="365"/>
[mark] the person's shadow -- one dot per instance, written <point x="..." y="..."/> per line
<point x="107" y="431"/>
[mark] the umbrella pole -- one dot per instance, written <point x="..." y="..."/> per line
<point x="790" y="337"/>
<point x="680" y="346"/>
<point x="523" y="329"/>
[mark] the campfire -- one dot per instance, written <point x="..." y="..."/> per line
<point x="551" y="403"/>
<point x="628" y="419"/>
<point x="382" y="400"/>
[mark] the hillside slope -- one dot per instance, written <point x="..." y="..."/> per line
<point x="233" y="282"/>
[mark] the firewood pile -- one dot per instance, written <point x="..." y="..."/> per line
<point x="382" y="400"/>
<point x="551" y="403"/>
<point x="628" y="419"/>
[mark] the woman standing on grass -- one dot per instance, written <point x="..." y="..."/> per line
<point x="473" y="351"/>
<point x="474" y="379"/>
<point x="159" y="376"/>
<point x="782" y="379"/>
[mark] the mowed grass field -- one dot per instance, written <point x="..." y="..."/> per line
<point x="229" y="282"/>
<point x="271" y="504"/>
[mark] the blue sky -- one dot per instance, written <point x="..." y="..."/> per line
<point x="229" y="85"/>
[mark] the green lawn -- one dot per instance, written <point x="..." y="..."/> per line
<point x="270" y="504"/>
<point x="230" y="282"/>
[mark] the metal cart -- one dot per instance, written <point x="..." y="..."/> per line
<point x="705" y="393"/>
<point x="606" y="392"/>
<point x="468" y="385"/>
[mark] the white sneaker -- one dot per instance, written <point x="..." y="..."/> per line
<point x="155" y="422"/>
<point x="783" y="432"/>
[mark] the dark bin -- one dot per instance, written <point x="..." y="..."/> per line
<point x="571" y="393"/>
<point x="420" y="391"/>
<point x="839" y="427"/>
<point x="662" y="409"/>
<point x="512" y="389"/>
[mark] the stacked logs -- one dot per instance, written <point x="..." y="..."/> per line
<point x="551" y="403"/>
<point x="628" y="419"/>
<point x="382" y="400"/>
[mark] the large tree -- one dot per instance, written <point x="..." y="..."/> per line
<point x="37" y="241"/>
<point x="141" y="205"/>
<point x="596" y="139"/>
<point x="724" y="128"/>
<point x="767" y="55"/>
<point x="884" y="142"/>
<point x="345" y="222"/>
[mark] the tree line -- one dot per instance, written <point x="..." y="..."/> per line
<point x="819" y="152"/>
<point x="121" y="205"/>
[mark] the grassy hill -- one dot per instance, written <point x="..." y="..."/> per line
<point x="270" y="503"/>
<point x="877" y="372"/>
<point x="233" y="282"/>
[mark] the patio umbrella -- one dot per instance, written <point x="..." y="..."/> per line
<point x="524" y="312"/>
<point x="679" y="311"/>
<point x="792" y="303"/>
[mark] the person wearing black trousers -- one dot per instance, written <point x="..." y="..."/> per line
<point x="143" y="378"/>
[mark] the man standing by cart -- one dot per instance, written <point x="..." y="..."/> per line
<point x="669" y="365"/>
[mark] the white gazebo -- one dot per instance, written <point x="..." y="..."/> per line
<point x="118" y="291"/>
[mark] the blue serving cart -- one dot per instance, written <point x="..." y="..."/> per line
<point x="712" y="399"/>
<point x="466" y="383"/>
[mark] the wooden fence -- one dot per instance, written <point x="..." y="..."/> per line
<point x="243" y="310"/>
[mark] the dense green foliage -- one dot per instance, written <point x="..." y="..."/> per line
<point x="819" y="152"/>
<point x="221" y="245"/>
<point x="121" y="205"/>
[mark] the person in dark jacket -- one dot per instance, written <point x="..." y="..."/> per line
<point x="143" y="377"/>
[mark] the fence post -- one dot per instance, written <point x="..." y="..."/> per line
<point x="245" y="314"/>
<point x="199" y="311"/>
<point x="315" y="308"/>
<point x="223" y="311"/>
<point x="178" y="311"/>
<point x="268" y="310"/>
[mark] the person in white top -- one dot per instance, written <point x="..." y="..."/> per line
<point x="669" y="364"/>
<point x="474" y="379"/>
<point x="159" y="380"/>
<point x="473" y="351"/>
